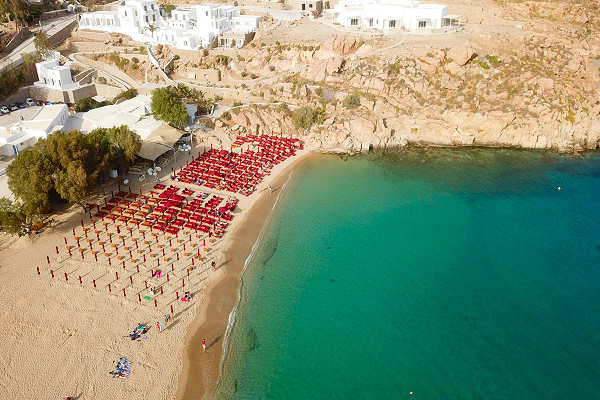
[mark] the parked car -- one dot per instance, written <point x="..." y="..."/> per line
<point x="21" y="105"/>
<point x="13" y="107"/>
<point x="4" y="110"/>
<point x="30" y="102"/>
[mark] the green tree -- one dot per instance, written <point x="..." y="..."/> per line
<point x="69" y="153"/>
<point x="89" y="103"/>
<point x="12" y="216"/>
<point x="41" y="44"/>
<point x="111" y="148"/>
<point x="30" y="179"/>
<point x="151" y="28"/>
<point x="168" y="106"/>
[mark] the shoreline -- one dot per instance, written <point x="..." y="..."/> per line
<point x="202" y="370"/>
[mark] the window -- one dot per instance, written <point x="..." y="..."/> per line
<point x="152" y="7"/>
<point x="146" y="18"/>
<point x="354" y="21"/>
<point x="422" y="24"/>
<point x="207" y="13"/>
<point x="310" y="5"/>
<point x="303" y="6"/>
<point x="393" y="23"/>
<point x="145" y="8"/>
<point x="370" y="21"/>
<point x="125" y="12"/>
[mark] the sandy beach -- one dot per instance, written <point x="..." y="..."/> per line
<point x="201" y="369"/>
<point x="62" y="338"/>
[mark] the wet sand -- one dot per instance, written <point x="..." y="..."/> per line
<point x="202" y="368"/>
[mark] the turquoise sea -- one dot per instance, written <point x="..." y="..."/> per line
<point x="452" y="274"/>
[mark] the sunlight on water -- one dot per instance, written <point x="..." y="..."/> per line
<point x="453" y="274"/>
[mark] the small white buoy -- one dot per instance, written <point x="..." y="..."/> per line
<point x="411" y="393"/>
<point x="558" y="188"/>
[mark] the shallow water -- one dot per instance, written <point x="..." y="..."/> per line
<point x="454" y="274"/>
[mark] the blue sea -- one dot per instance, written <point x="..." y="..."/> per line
<point x="451" y="274"/>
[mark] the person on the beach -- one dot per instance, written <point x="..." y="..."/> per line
<point x="204" y="344"/>
<point x="159" y="326"/>
<point x="214" y="265"/>
<point x="270" y="189"/>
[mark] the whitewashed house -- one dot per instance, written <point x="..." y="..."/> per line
<point x="55" y="76"/>
<point x="390" y="15"/>
<point x="188" y="27"/>
<point x="28" y="129"/>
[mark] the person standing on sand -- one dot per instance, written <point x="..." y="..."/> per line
<point x="214" y="265"/>
<point x="204" y="344"/>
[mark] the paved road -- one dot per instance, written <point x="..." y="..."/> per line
<point x="50" y="27"/>
<point x="106" y="74"/>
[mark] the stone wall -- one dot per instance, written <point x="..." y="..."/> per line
<point x="83" y="46"/>
<point x="18" y="97"/>
<point x="68" y="96"/>
<point x="59" y="37"/>
<point x="19" y="38"/>
<point x="91" y="35"/>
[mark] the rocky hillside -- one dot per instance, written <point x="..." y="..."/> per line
<point x="537" y="89"/>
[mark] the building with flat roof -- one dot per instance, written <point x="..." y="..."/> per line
<point x="389" y="15"/>
<point x="188" y="27"/>
<point x="157" y="137"/>
<point x="55" y="76"/>
<point x="28" y="127"/>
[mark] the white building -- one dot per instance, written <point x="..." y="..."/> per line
<point x="188" y="27"/>
<point x="32" y="124"/>
<point x="392" y="14"/>
<point x="157" y="137"/>
<point x="55" y="76"/>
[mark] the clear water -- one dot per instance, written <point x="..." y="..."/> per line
<point x="452" y="274"/>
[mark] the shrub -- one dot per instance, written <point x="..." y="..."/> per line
<point x="351" y="101"/>
<point x="102" y="80"/>
<point x="126" y="95"/>
<point x="88" y="104"/>
<point x="493" y="60"/>
<point x="222" y="59"/>
<point x="244" y="74"/>
<point x="135" y="60"/>
<point x="305" y="117"/>
<point x="237" y="104"/>
<point x="253" y="76"/>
